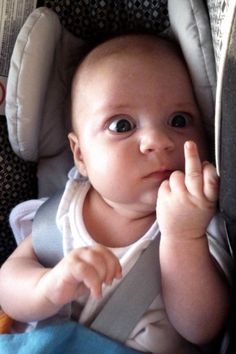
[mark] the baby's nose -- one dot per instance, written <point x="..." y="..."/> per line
<point x="155" y="140"/>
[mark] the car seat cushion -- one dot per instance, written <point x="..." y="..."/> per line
<point x="37" y="89"/>
<point x="190" y="24"/>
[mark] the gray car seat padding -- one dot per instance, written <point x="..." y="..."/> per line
<point x="40" y="74"/>
<point x="225" y="115"/>
<point x="225" y="54"/>
<point x="190" y="24"/>
<point x="223" y="22"/>
<point x="37" y="86"/>
<point x="37" y="96"/>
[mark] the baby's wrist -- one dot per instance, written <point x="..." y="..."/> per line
<point x="46" y="289"/>
<point x="176" y="246"/>
<point x="183" y="235"/>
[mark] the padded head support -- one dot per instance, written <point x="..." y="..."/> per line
<point x="38" y="86"/>
<point x="41" y="69"/>
<point x="190" y="24"/>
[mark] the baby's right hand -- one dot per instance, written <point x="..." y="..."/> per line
<point x="83" y="269"/>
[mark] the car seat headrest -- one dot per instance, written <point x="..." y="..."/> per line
<point x="40" y="73"/>
<point x="190" y="25"/>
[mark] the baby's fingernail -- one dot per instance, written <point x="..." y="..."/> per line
<point x="187" y="144"/>
<point x="119" y="275"/>
<point x="108" y="281"/>
<point x="190" y="145"/>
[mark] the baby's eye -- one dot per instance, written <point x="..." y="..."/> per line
<point x="179" y="120"/>
<point x="122" y="124"/>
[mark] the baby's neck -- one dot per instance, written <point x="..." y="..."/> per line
<point x="114" y="226"/>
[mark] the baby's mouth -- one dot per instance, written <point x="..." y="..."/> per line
<point x="159" y="176"/>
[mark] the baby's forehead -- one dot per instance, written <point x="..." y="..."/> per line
<point x="128" y="47"/>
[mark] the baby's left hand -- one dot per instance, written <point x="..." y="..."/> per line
<point x="187" y="201"/>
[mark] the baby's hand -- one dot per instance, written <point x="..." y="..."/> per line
<point x="187" y="202"/>
<point x="82" y="270"/>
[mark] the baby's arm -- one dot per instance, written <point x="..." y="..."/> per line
<point x="30" y="292"/>
<point x="194" y="290"/>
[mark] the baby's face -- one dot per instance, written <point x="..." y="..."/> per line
<point x="133" y="115"/>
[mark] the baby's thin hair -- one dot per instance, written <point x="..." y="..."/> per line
<point x="96" y="51"/>
<point x="102" y="50"/>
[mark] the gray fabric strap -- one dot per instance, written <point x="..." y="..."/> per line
<point x="132" y="298"/>
<point x="46" y="237"/>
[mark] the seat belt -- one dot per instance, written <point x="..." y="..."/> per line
<point x="133" y="296"/>
<point x="46" y="237"/>
<point x="135" y="292"/>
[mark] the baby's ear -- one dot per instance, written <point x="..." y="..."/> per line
<point x="77" y="154"/>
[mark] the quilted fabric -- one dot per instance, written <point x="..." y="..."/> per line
<point x="17" y="183"/>
<point x="87" y="19"/>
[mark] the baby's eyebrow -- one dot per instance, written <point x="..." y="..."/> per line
<point x="117" y="107"/>
<point x="185" y="106"/>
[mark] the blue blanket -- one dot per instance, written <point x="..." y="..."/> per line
<point x="65" y="338"/>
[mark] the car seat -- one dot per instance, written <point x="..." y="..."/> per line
<point x="46" y="53"/>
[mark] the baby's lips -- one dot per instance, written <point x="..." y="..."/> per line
<point x="159" y="175"/>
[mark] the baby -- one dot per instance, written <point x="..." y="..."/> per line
<point x="139" y="140"/>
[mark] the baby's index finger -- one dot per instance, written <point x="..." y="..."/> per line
<point x="193" y="168"/>
<point x="193" y="163"/>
